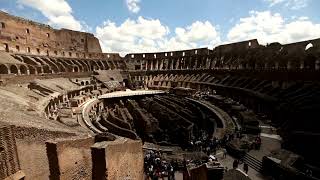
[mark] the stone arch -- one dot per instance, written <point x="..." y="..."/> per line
<point x="75" y="69"/>
<point x="46" y="69"/>
<point x="61" y="67"/>
<point x="84" y="65"/>
<point x="101" y="66"/>
<point x="94" y="65"/>
<point x="53" y="66"/>
<point x="23" y="69"/>
<point x="75" y="63"/>
<point x="4" y="69"/>
<point x="14" y="69"/>
<point x="32" y="70"/>
<point x="39" y="70"/>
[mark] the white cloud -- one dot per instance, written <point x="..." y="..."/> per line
<point x="4" y="10"/>
<point x="133" y="5"/>
<point x="58" y="12"/>
<point x="150" y="35"/>
<point x="268" y="27"/>
<point x="292" y="4"/>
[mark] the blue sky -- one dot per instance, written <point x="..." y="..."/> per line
<point x="160" y="25"/>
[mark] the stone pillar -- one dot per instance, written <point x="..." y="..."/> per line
<point x="118" y="159"/>
<point x="161" y="64"/>
<point x="157" y="64"/>
<point x="70" y="158"/>
<point x="151" y="64"/>
<point x="171" y="64"/>
<point x="146" y="68"/>
<point x="177" y="64"/>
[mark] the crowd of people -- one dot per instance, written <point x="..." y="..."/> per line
<point x="156" y="167"/>
<point x="211" y="145"/>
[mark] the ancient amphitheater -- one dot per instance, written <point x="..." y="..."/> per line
<point x="69" y="111"/>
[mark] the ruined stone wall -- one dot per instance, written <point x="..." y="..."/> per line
<point x="119" y="159"/>
<point x="9" y="162"/>
<point x="31" y="150"/>
<point x="25" y="36"/>
<point x="70" y="158"/>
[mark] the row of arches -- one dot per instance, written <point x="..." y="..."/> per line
<point x="39" y="65"/>
<point x="210" y="62"/>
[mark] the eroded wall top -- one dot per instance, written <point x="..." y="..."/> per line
<point x="25" y="36"/>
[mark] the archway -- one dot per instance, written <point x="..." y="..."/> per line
<point x="46" y="69"/>
<point x="3" y="69"/>
<point x="32" y="70"/>
<point x="75" y="69"/>
<point x="13" y="69"/>
<point x="23" y="69"/>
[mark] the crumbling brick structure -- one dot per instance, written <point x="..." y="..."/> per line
<point x="70" y="158"/>
<point x="119" y="159"/>
<point x="9" y="161"/>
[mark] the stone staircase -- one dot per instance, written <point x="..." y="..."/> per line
<point x="253" y="162"/>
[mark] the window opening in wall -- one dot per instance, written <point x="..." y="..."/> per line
<point x="56" y="52"/>
<point x="63" y="53"/>
<point x="27" y="31"/>
<point x="28" y="49"/>
<point x="48" y="35"/>
<point x="143" y="55"/>
<point x="155" y="56"/>
<point x="196" y="52"/>
<point x="308" y="46"/>
<point x="249" y="44"/>
<point x="166" y="54"/>
<point x="171" y="54"/>
<point x="47" y="52"/>
<point x="108" y="55"/>
<point x="132" y="55"/>
<point x="3" y="25"/>
<point x="82" y="40"/>
<point x="6" y="47"/>
<point x="17" y="38"/>
<point x="90" y="55"/>
<point x="18" y="48"/>
<point x="38" y="50"/>
<point x="183" y="53"/>
<point x="70" y="54"/>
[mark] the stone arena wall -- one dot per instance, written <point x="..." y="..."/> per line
<point x="70" y="158"/>
<point x="15" y="30"/>
<point x="123" y="159"/>
<point x="31" y="148"/>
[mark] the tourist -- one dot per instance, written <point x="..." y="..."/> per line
<point x="245" y="168"/>
<point x="224" y="151"/>
<point x="235" y="164"/>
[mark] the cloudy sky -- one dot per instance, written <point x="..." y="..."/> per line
<point x="128" y="26"/>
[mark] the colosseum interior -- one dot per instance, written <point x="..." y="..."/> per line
<point x="69" y="111"/>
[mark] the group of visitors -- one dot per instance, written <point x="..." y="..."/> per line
<point x="211" y="145"/>
<point x="156" y="168"/>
